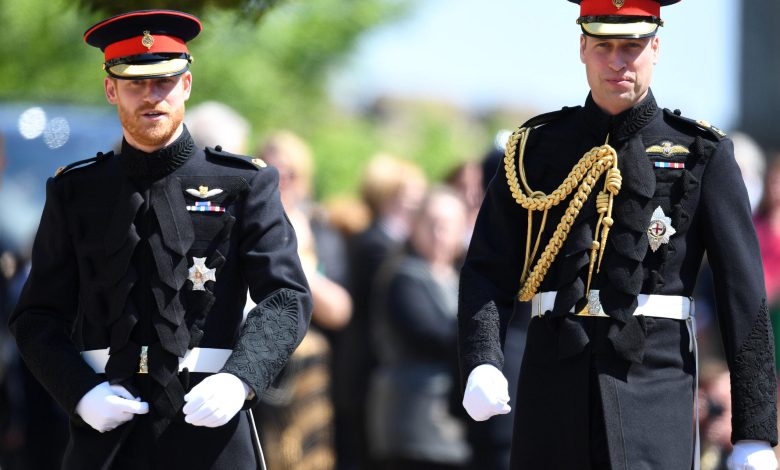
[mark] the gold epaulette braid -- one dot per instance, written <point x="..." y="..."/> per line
<point x="582" y="178"/>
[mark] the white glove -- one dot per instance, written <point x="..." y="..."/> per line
<point x="752" y="455"/>
<point x="487" y="393"/>
<point x="107" y="406"/>
<point x="215" y="401"/>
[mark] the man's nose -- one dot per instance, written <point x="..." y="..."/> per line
<point x="153" y="93"/>
<point x="617" y="62"/>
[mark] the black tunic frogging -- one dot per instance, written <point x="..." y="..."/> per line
<point x="639" y="370"/>
<point x="110" y="268"/>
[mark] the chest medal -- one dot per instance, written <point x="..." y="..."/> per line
<point x="660" y="229"/>
<point x="200" y="273"/>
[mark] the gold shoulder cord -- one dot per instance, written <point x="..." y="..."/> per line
<point x="583" y="178"/>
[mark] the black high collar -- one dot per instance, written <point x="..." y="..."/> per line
<point x="155" y="165"/>
<point x="619" y="126"/>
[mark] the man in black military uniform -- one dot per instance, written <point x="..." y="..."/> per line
<point x="627" y="198"/>
<point x="132" y="314"/>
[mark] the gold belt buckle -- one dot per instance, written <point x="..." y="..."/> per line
<point x="593" y="307"/>
<point x="143" y="361"/>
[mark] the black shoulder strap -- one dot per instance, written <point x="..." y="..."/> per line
<point x="82" y="163"/>
<point x="254" y="162"/>
<point x="705" y="126"/>
<point x="549" y="117"/>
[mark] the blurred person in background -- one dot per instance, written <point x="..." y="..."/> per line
<point x="295" y="415"/>
<point x="752" y="166"/>
<point x="212" y="123"/>
<point x="466" y="179"/>
<point x="767" y="222"/>
<point x="392" y="189"/>
<point x="714" y="407"/>
<point x="131" y="316"/>
<point x="348" y="215"/>
<point x="413" y="389"/>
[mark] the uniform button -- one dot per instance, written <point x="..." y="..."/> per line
<point x="218" y="148"/>
<point x="677" y="112"/>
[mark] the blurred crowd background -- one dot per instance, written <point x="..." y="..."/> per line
<point x="382" y="181"/>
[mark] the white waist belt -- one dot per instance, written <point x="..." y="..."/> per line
<point x="208" y="360"/>
<point x="676" y="307"/>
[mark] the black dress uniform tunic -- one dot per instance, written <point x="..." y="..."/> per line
<point x="618" y="392"/>
<point x="111" y="269"/>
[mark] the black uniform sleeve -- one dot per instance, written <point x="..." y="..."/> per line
<point x="270" y="264"/>
<point x="47" y="307"/>
<point x="490" y="277"/>
<point x="733" y="252"/>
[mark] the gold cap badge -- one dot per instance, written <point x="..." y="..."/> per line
<point x="147" y="41"/>
<point x="618" y="3"/>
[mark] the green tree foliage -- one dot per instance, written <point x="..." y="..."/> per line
<point x="254" y="9"/>
<point x="42" y="56"/>
<point x="275" y="73"/>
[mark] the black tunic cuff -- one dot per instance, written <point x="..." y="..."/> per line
<point x="269" y="337"/>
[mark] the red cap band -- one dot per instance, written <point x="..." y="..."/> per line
<point x="135" y="46"/>
<point x="629" y="8"/>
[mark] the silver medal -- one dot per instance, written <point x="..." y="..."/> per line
<point x="200" y="273"/>
<point x="660" y="229"/>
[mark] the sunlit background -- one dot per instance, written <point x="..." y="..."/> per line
<point x="432" y="81"/>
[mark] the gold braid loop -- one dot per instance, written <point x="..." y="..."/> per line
<point x="612" y="184"/>
<point x="536" y="200"/>
<point x="582" y="178"/>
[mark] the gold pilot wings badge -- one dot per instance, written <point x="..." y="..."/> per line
<point x="667" y="149"/>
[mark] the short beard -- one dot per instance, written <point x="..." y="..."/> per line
<point x="156" y="135"/>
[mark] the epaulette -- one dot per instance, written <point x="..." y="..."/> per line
<point x="545" y="118"/>
<point x="82" y="163"/>
<point x="253" y="161"/>
<point x="699" y="124"/>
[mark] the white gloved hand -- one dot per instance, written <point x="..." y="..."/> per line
<point x="107" y="406"/>
<point x="487" y="393"/>
<point x="215" y="401"/>
<point x="752" y="455"/>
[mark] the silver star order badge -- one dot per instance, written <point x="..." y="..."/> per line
<point x="660" y="229"/>
<point x="199" y="274"/>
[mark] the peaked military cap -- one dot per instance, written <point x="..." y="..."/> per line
<point x="145" y="44"/>
<point x="621" y="19"/>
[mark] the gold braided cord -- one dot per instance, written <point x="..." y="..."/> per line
<point x="582" y="178"/>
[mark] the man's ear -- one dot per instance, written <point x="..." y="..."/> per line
<point x="111" y="92"/>
<point x="656" y="45"/>
<point x="186" y="82"/>
<point x="582" y="48"/>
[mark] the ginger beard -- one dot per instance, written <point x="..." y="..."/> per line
<point x="151" y="132"/>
